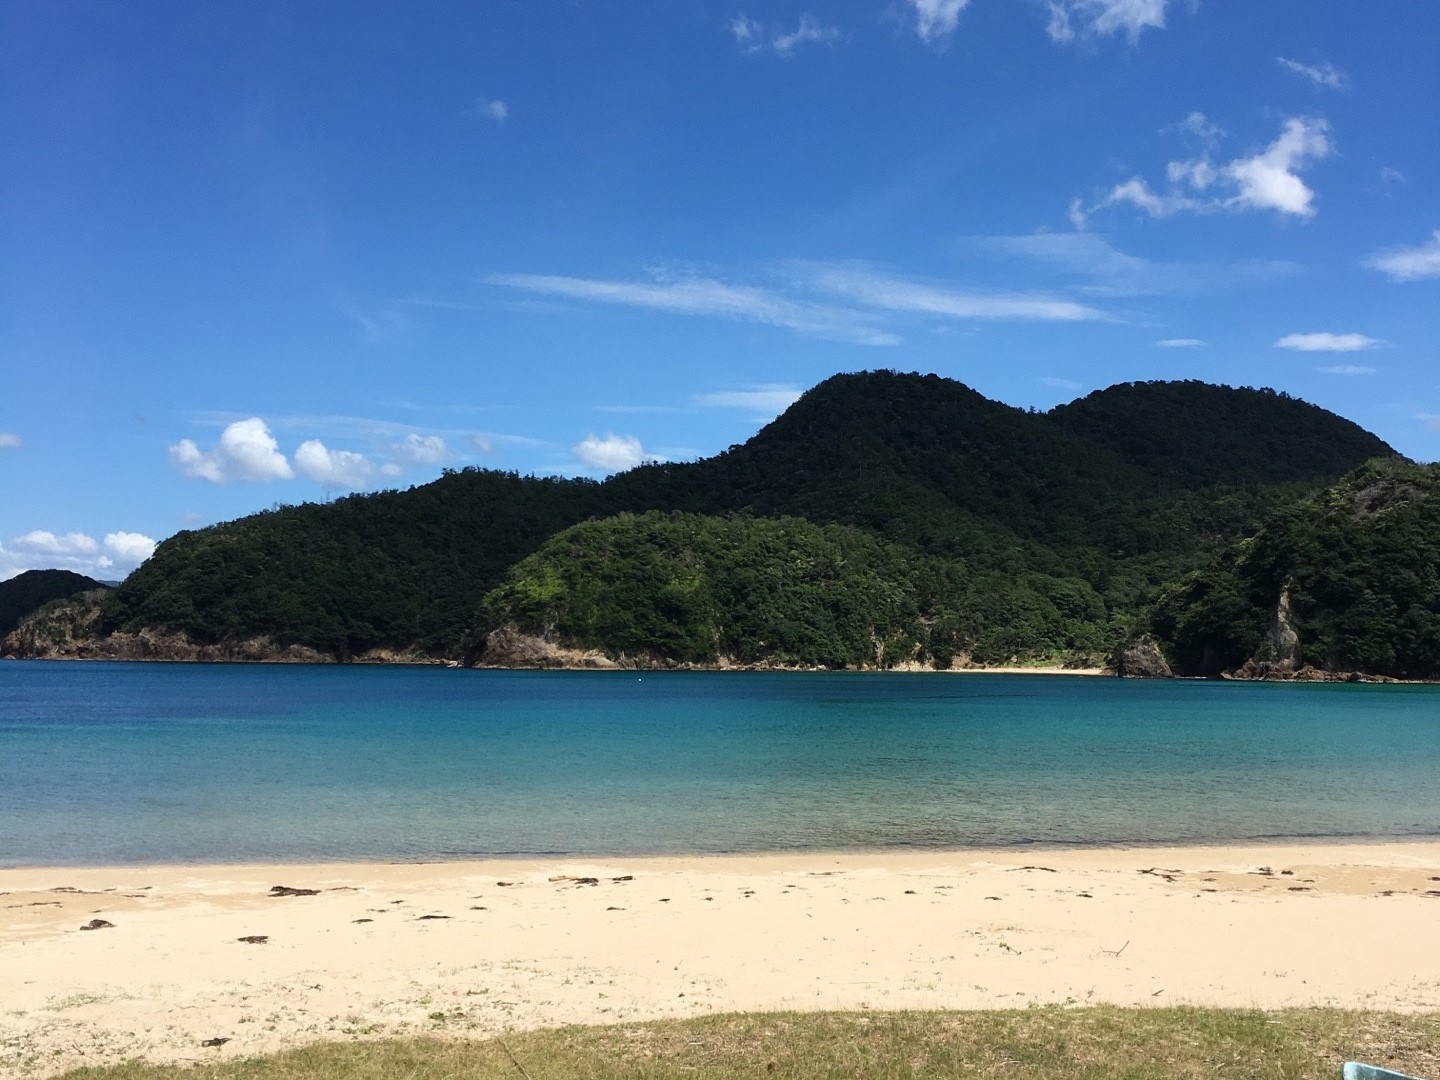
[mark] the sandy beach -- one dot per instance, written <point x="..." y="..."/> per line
<point x="467" y="948"/>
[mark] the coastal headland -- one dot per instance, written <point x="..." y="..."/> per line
<point x="184" y="954"/>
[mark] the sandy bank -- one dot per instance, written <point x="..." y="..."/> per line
<point x="476" y="947"/>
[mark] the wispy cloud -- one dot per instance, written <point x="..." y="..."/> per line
<point x="9" y="440"/>
<point x="763" y="402"/>
<point x="935" y="20"/>
<point x="1181" y="343"/>
<point x="1409" y="264"/>
<point x="876" y="289"/>
<point x="755" y="37"/>
<point x="706" y="296"/>
<point x="1346" y="369"/>
<point x="1104" y="18"/>
<point x="1328" y="342"/>
<point x="492" y="109"/>
<point x="1112" y="272"/>
<point x="1267" y="180"/>
<point x="1324" y="74"/>
<point x="375" y="326"/>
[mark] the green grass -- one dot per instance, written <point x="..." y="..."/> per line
<point x="1034" y="1044"/>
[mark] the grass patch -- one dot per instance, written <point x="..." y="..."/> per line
<point x="1032" y="1044"/>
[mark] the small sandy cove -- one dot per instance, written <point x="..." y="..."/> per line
<point x="468" y="948"/>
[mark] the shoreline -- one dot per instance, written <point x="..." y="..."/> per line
<point x="777" y="855"/>
<point x="506" y="944"/>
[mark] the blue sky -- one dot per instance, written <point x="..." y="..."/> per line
<point x="275" y="252"/>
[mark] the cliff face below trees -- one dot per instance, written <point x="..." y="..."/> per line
<point x="1345" y="583"/>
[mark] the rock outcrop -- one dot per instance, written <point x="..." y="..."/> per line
<point x="1142" y="659"/>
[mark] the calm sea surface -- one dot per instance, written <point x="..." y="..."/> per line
<point x="120" y="763"/>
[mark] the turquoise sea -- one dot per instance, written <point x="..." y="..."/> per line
<point x="126" y="763"/>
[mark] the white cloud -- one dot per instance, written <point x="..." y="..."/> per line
<point x="391" y="469"/>
<point x="613" y="453"/>
<point x="421" y="450"/>
<point x="246" y="451"/>
<point x="483" y="443"/>
<point x="1268" y="180"/>
<point x="1346" y="369"/>
<point x="765" y="402"/>
<point x="1389" y="176"/>
<point x="1325" y="74"/>
<point x="1181" y="343"/>
<point x="745" y="29"/>
<point x="1327" y="342"/>
<point x="332" y="468"/>
<point x="1105" y="17"/>
<point x="129" y="547"/>
<point x="753" y="37"/>
<point x="883" y="291"/>
<point x="492" y="109"/>
<point x="703" y="296"/>
<point x="935" y="20"/>
<point x="1409" y="264"/>
<point x="9" y="440"/>
<point x="40" y="549"/>
<point x="41" y="542"/>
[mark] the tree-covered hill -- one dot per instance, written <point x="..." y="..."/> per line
<point x="1075" y="507"/>
<point x="33" y="589"/>
<point x="1358" y="568"/>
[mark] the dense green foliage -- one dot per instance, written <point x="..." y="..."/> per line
<point x="690" y="588"/>
<point x="31" y="590"/>
<point x="1361" y="563"/>
<point x="1075" y="512"/>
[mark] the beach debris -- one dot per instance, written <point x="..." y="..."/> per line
<point x="219" y="1040"/>
<point x="1264" y="871"/>
<point x="1431" y="892"/>
<point x="254" y="939"/>
<point x="478" y="907"/>
<point x="561" y="878"/>
<point x="909" y="892"/>
<point x="1300" y="888"/>
<point x="98" y="924"/>
<point x="1085" y="895"/>
<point x="1047" y="869"/>
<point x="664" y="899"/>
<point x="1116" y="952"/>
<point x="1161" y="872"/>
<point x="362" y="920"/>
<point x="422" y="918"/>
<point x="631" y="877"/>
<point x="504" y="884"/>
<point x="992" y="898"/>
<point x="612" y="907"/>
<point x="1287" y="873"/>
<point x="286" y="890"/>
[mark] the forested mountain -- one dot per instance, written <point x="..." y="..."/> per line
<point x="26" y="592"/>
<point x="1346" y="580"/>
<point x="1054" y="530"/>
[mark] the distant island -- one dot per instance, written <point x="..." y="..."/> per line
<point x="885" y="521"/>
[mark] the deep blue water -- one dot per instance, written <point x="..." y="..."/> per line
<point x="118" y="763"/>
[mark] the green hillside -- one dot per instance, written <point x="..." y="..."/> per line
<point x="1359" y="565"/>
<point x="33" y="589"/>
<point x="1076" y="510"/>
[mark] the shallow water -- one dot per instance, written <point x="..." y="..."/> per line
<point x="128" y="763"/>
